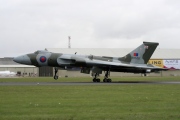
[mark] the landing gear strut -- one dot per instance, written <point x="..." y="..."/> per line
<point x="95" y="79"/>
<point x="106" y="79"/>
<point x="55" y="71"/>
<point x="145" y="74"/>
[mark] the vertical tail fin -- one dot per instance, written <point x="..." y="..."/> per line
<point x="141" y="54"/>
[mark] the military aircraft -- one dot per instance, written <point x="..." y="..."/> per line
<point x="133" y="62"/>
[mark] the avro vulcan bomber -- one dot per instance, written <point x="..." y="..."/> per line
<point x="133" y="62"/>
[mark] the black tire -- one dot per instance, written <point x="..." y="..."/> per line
<point x="98" y="80"/>
<point x="108" y="80"/>
<point x="55" y="77"/>
<point x="104" y="80"/>
<point x="94" y="80"/>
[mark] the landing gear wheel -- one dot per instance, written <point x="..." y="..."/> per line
<point x="98" y="80"/>
<point x="94" y="80"/>
<point x="104" y="80"/>
<point x="55" y="77"/>
<point x="108" y="80"/>
<point x="107" y="74"/>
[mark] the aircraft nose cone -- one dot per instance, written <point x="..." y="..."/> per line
<point x="18" y="59"/>
<point x="23" y="59"/>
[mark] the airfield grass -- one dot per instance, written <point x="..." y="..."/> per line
<point x="98" y="102"/>
<point x="88" y="79"/>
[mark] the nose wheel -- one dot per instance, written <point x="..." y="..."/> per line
<point x="55" y="77"/>
<point x="55" y="71"/>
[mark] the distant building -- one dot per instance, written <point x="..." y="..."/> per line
<point x="22" y="70"/>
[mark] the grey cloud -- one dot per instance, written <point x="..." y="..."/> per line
<point x="26" y="26"/>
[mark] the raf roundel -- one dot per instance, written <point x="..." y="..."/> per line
<point x="43" y="59"/>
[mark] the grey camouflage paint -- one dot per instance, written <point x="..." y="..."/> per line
<point x="144" y="51"/>
<point x="135" y="61"/>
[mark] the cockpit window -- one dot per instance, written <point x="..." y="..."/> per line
<point x="36" y="52"/>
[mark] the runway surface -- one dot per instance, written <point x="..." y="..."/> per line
<point x="83" y="83"/>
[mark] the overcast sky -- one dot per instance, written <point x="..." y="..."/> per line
<point x="30" y="25"/>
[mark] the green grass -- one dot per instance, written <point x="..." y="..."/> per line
<point x="113" y="102"/>
<point x="87" y="79"/>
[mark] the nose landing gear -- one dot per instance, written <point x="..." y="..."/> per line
<point x="55" y="71"/>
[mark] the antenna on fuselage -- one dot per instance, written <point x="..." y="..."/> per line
<point x="69" y="43"/>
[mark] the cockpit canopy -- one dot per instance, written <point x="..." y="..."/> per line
<point x="40" y="51"/>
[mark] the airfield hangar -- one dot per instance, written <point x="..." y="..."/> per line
<point x="7" y="64"/>
<point x="169" y="58"/>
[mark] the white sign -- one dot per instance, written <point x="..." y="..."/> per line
<point x="171" y="64"/>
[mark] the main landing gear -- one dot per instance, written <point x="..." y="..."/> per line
<point x="55" y="71"/>
<point x="106" y="79"/>
<point x="95" y="79"/>
<point x="145" y="74"/>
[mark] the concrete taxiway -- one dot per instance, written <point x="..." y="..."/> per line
<point x="83" y="83"/>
